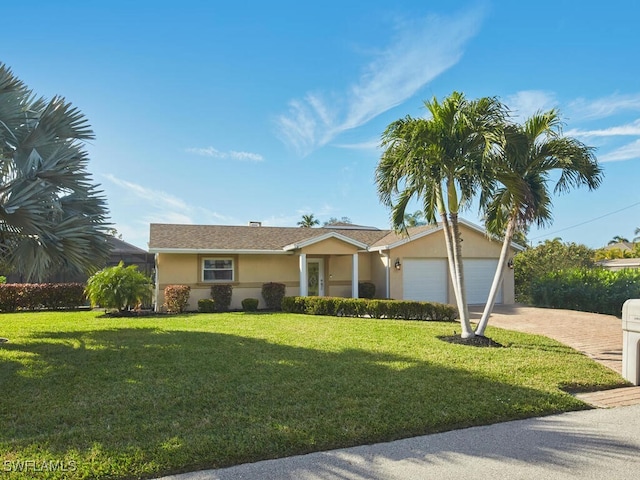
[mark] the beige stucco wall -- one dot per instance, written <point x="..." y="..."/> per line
<point x="475" y="245"/>
<point x="251" y="270"/>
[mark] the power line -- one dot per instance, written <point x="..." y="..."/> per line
<point x="587" y="221"/>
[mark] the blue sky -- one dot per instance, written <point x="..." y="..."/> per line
<point x="226" y="112"/>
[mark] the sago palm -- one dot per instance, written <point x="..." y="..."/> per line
<point x="51" y="215"/>
<point x="521" y="170"/>
<point x="439" y="161"/>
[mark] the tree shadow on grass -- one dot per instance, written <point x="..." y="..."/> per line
<point x="142" y="401"/>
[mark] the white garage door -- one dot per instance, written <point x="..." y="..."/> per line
<point x="478" y="276"/>
<point x="425" y="279"/>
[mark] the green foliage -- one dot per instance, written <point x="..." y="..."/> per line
<point x="360" y="307"/>
<point x="587" y="289"/>
<point x="3" y="279"/>
<point x="366" y="290"/>
<point x="613" y="253"/>
<point x="176" y="297"/>
<point x="51" y="214"/>
<point x="549" y="256"/>
<point x="36" y="296"/>
<point x="273" y="293"/>
<point x="221" y="295"/>
<point x="119" y="287"/>
<point x="250" y="304"/>
<point x="206" y="305"/>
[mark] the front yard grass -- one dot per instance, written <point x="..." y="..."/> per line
<point x="84" y="396"/>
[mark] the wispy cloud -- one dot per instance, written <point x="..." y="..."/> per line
<point x="626" y="152"/>
<point x="605" y="106"/>
<point x="525" y="103"/>
<point x="161" y="207"/>
<point x="369" y="145"/>
<point x="421" y="50"/>
<point x="630" y="129"/>
<point x="232" y="154"/>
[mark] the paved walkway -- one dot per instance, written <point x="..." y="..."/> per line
<point x="595" y="335"/>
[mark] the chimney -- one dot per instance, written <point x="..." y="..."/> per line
<point x="255" y="224"/>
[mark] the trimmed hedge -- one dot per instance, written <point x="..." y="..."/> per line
<point x="250" y="304"/>
<point x="221" y="295"/>
<point x="36" y="296"/>
<point x="176" y="297"/>
<point x="366" y="289"/>
<point x="586" y="289"/>
<point x="206" y="305"/>
<point x="273" y="293"/>
<point x="360" y="307"/>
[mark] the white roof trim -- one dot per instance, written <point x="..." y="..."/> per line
<point x="218" y="251"/>
<point x="322" y="238"/>
<point x="406" y="239"/>
<point x="424" y="233"/>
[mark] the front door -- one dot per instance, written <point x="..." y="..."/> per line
<point x="315" y="277"/>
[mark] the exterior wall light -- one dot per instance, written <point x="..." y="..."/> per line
<point x="397" y="264"/>
<point x="510" y="263"/>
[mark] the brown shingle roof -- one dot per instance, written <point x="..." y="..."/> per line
<point x="225" y="237"/>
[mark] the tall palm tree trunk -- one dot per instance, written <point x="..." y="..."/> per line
<point x="497" y="278"/>
<point x="458" y="278"/>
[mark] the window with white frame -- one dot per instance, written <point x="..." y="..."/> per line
<point x="217" y="269"/>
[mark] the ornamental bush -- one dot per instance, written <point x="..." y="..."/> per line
<point x="273" y="293"/>
<point x="221" y="295"/>
<point x="119" y="287"/>
<point x="206" y="305"/>
<point x="176" y="298"/>
<point x="366" y="290"/>
<point x="250" y="304"/>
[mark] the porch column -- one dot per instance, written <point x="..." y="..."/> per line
<point x="304" y="288"/>
<point x="354" y="276"/>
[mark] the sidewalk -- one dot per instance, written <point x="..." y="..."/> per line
<point x="592" y="444"/>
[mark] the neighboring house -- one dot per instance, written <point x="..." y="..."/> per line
<point x="328" y="261"/>
<point x="616" y="264"/>
<point x="121" y="251"/>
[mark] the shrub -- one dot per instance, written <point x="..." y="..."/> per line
<point x="176" y="297"/>
<point x="360" y="307"/>
<point x="273" y="293"/>
<point x="586" y="289"/>
<point x="221" y="295"/>
<point x="31" y="296"/>
<point x="119" y="287"/>
<point x="250" y="304"/>
<point x="366" y="290"/>
<point x="206" y="305"/>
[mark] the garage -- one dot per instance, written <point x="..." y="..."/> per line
<point x="478" y="276"/>
<point x="425" y="279"/>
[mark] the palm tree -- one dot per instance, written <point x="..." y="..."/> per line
<point x="308" y="221"/>
<point x="521" y="168"/>
<point x="414" y="219"/>
<point x="636" y="232"/>
<point x="618" y="239"/>
<point x="439" y="160"/>
<point x="51" y="215"/>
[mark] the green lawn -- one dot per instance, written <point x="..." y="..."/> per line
<point x="125" y="398"/>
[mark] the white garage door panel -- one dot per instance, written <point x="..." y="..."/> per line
<point x="478" y="276"/>
<point x="425" y="279"/>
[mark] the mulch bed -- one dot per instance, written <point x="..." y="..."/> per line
<point x="477" y="341"/>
